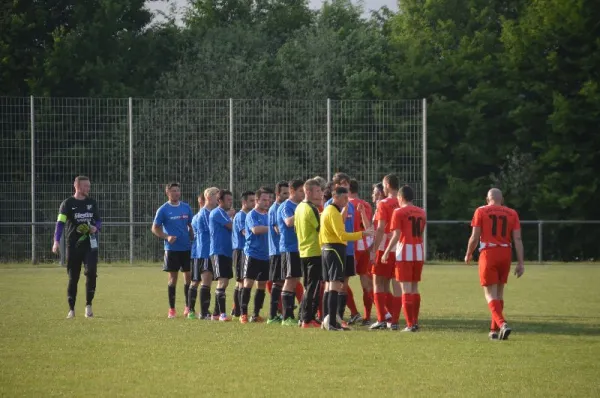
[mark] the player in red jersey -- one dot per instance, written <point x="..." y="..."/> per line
<point x="496" y="227"/>
<point x="382" y="272"/>
<point x="362" y="221"/>
<point x="408" y="224"/>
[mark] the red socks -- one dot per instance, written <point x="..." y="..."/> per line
<point x="396" y="308"/>
<point x="411" y="304"/>
<point x="496" y="310"/>
<point x="350" y="302"/>
<point x="494" y="326"/>
<point x="367" y="303"/>
<point x="389" y="302"/>
<point x="417" y="307"/>
<point x="380" y="300"/>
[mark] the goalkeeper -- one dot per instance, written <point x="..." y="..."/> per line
<point x="78" y="216"/>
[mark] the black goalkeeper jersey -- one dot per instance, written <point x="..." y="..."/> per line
<point x="75" y="212"/>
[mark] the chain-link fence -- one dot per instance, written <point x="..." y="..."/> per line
<point x="130" y="148"/>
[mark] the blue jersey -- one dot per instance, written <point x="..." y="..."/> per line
<point x="239" y="224"/>
<point x="203" y="235"/>
<point x="195" y="242"/>
<point x="257" y="246"/>
<point x="288" y="241"/>
<point x="174" y="221"/>
<point x="349" y="223"/>
<point x="220" y="236"/>
<point x="273" y="235"/>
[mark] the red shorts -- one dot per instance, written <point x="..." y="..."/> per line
<point x="494" y="266"/>
<point x="383" y="269"/>
<point x="409" y="271"/>
<point x="362" y="262"/>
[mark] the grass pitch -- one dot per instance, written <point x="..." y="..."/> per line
<point x="131" y="349"/>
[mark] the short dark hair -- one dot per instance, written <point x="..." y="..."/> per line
<point x="407" y="193"/>
<point x="393" y="180"/>
<point x="340" y="191"/>
<point x="281" y="184"/>
<point x="263" y="190"/>
<point x="378" y="186"/>
<point x="223" y="193"/>
<point x="247" y="194"/>
<point x="295" y="184"/>
<point x="81" y="178"/>
<point x="172" y="185"/>
<point x="353" y="186"/>
<point x="339" y="177"/>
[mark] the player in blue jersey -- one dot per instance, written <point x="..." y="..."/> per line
<point x="221" y="225"/>
<point x="256" y="255"/>
<point x="173" y="223"/>
<point x="202" y="269"/>
<point x="238" y="240"/>
<point x="197" y="258"/>
<point x="288" y="246"/>
<point x="282" y="192"/>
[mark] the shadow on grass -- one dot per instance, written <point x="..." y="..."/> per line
<point x="524" y="325"/>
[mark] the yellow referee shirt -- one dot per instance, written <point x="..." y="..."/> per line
<point x="333" y="229"/>
<point x="306" y="222"/>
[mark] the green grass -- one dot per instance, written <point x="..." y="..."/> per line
<point x="131" y="349"/>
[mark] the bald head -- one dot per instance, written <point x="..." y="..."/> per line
<point x="494" y="196"/>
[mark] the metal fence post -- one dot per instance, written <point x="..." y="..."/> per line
<point x="131" y="229"/>
<point x="540" y="241"/>
<point x="231" y="144"/>
<point x="424" y="176"/>
<point x="32" y="123"/>
<point x="328" y="139"/>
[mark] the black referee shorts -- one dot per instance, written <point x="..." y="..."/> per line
<point x="333" y="256"/>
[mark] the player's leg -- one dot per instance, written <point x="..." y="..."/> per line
<point x="185" y="260"/>
<point x="293" y="272"/>
<point x="224" y="272"/>
<point x="417" y="270"/>
<point x="259" y="295"/>
<point x="249" y="273"/>
<point x="275" y="276"/>
<point x="363" y="270"/>
<point x="492" y="273"/>
<point x="195" y="276"/>
<point x="206" y="277"/>
<point x="91" y="275"/>
<point x="396" y="305"/>
<point x="238" y="265"/>
<point x="171" y="266"/>
<point x="74" y="261"/>
<point x="312" y="271"/>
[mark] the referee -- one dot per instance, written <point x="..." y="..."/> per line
<point x="334" y="238"/>
<point x="79" y="214"/>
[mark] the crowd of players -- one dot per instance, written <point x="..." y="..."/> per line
<point x="303" y="240"/>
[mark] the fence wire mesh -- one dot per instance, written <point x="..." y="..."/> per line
<point x="236" y="143"/>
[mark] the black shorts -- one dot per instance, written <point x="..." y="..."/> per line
<point x="76" y="256"/>
<point x="200" y="266"/>
<point x="238" y="264"/>
<point x="177" y="261"/>
<point x="256" y="269"/>
<point x="333" y="256"/>
<point x="312" y="269"/>
<point x="275" y="271"/>
<point x="349" y="266"/>
<point x="290" y="265"/>
<point x="222" y="267"/>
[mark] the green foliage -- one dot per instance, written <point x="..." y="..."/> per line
<point x="513" y="86"/>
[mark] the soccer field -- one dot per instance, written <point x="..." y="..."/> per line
<point x="131" y="349"/>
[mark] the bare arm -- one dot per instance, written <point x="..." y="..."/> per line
<point x="260" y="230"/>
<point x="379" y="234"/>
<point x="289" y="221"/>
<point x="391" y="245"/>
<point x="156" y="230"/>
<point x="191" y="231"/>
<point x="520" y="269"/>
<point x="363" y="217"/>
<point x="473" y="240"/>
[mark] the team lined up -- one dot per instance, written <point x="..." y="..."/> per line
<point x="320" y="232"/>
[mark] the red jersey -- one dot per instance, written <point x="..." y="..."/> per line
<point x="497" y="224"/>
<point x="410" y="220"/>
<point x="384" y="211"/>
<point x="364" y="243"/>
